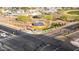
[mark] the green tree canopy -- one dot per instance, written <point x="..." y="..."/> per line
<point x="63" y="17"/>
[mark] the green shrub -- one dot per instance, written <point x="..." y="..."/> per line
<point x="53" y="25"/>
<point x="63" y="17"/>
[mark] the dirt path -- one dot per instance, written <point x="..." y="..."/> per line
<point x="10" y="21"/>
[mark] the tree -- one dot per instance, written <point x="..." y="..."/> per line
<point x="63" y="18"/>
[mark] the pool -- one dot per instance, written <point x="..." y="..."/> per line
<point x="39" y="25"/>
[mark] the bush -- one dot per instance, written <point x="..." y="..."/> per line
<point x="63" y="18"/>
<point x="53" y="25"/>
<point x="36" y="17"/>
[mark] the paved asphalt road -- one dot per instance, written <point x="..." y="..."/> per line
<point x="22" y="39"/>
<point x="28" y="42"/>
<point x="10" y="30"/>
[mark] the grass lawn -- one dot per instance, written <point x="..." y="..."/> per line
<point x="24" y="18"/>
<point x="48" y="17"/>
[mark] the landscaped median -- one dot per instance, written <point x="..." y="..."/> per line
<point x="72" y="15"/>
<point x="72" y="12"/>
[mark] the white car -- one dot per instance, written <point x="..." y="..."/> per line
<point x="75" y="42"/>
<point x="3" y="34"/>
